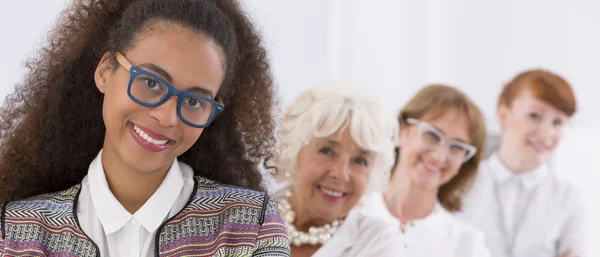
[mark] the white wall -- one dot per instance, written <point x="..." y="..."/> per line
<point x="396" y="47"/>
<point x="23" y="25"/>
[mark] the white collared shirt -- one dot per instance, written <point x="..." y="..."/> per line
<point x="439" y="234"/>
<point x="531" y="214"/>
<point x="118" y="232"/>
<point x="359" y="235"/>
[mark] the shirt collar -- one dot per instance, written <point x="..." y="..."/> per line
<point x="113" y="216"/>
<point x="528" y="179"/>
<point x="377" y="207"/>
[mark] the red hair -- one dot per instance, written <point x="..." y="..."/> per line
<point x="545" y="86"/>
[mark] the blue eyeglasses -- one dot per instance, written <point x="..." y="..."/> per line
<point x="150" y="90"/>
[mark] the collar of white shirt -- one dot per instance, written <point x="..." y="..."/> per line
<point x="377" y="208"/>
<point x="113" y="216"/>
<point x="502" y="174"/>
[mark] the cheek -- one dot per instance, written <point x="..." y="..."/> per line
<point x="190" y="135"/>
<point x="306" y="174"/>
<point x="359" y="182"/>
<point x="453" y="170"/>
<point x="412" y="152"/>
<point x="116" y="107"/>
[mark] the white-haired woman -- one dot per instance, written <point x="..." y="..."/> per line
<point x="334" y="147"/>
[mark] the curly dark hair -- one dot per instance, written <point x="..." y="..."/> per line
<point x="51" y="127"/>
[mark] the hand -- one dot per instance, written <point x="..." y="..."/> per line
<point x="567" y="253"/>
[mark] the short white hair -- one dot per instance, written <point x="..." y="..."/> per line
<point x="321" y="112"/>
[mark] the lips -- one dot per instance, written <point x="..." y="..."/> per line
<point x="148" y="139"/>
<point x="538" y="147"/>
<point x="429" y="168"/>
<point x="330" y="194"/>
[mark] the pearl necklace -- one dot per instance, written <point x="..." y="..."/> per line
<point x="315" y="235"/>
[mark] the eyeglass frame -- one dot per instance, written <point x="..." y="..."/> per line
<point x="421" y="124"/>
<point x="134" y="71"/>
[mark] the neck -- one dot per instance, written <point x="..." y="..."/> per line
<point x="407" y="201"/>
<point x="511" y="159"/>
<point x="130" y="187"/>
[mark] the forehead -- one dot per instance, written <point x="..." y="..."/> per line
<point x="191" y="59"/>
<point x="454" y="123"/>
<point x="341" y="138"/>
<point x="526" y="101"/>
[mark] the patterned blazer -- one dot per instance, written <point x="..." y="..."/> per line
<point x="218" y="220"/>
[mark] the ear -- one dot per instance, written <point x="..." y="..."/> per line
<point x="103" y="72"/>
<point x="503" y="112"/>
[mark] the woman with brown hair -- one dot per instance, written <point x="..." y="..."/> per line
<point x="138" y="132"/>
<point x="522" y="208"/>
<point x="441" y="134"/>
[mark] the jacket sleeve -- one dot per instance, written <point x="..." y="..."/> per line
<point x="272" y="237"/>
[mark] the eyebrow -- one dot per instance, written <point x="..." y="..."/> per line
<point x="444" y="134"/>
<point x="168" y="78"/>
<point x="337" y="144"/>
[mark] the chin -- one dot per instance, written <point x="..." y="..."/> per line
<point x="144" y="164"/>
<point x="534" y="159"/>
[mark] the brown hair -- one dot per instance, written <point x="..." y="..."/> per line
<point x="434" y="100"/>
<point x="51" y="127"/>
<point x="544" y="85"/>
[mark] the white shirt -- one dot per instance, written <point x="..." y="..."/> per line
<point x="531" y="214"/>
<point x="440" y="234"/>
<point x="113" y="228"/>
<point x="359" y="235"/>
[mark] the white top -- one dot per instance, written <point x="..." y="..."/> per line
<point x="113" y="228"/>
<point x="439" y="234"/>
<point x="531" y="214"/>
<point x="359" y="235"/>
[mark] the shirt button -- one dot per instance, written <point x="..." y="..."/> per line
<point x="134" y="222"/>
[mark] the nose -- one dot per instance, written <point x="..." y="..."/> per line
<point x="166" y="113"/>
<point x="439" y="154"/>
<point x="340" y="170"/>
<point x="548" y="132"/>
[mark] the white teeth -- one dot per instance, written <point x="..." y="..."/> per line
<point x="148" y="138"/>
<point x="331" y="193"/>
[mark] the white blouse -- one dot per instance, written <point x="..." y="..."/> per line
<point x="531" y="214"/>
<point x="358" y="236"/>
<point x="118" y="232"/>
<point x="440" y="234"/>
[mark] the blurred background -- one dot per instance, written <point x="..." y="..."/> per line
<point x="393" y="48"/>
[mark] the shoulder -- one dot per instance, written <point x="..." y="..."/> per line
<point x="561" y="192"/>
<point x="211" y="189"/>
<point x="41" y="205"/>
<point x="371" y="226"/>
<point x="213" y="195"/>
<point x="373" y="234"/>
<point x="374" y="207"/>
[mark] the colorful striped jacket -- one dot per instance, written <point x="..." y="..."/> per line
<point x="218" y="220"/>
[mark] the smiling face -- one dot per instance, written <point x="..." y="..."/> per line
<point x="148" y="139"/>
<point x="430" y="167"/>
<point x="531" y="129"/>
<point x="330" y="177"/>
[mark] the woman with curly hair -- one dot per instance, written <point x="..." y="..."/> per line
<point x="138" y="131"/>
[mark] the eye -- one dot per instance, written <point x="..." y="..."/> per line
<point x="326" y="151"/>
<point x="194" y="103"/>
<point x="534" y="116"/>
<point x="361" y="161"/>
<point x="152" y="84"/>
<point x="557" y="122"/>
